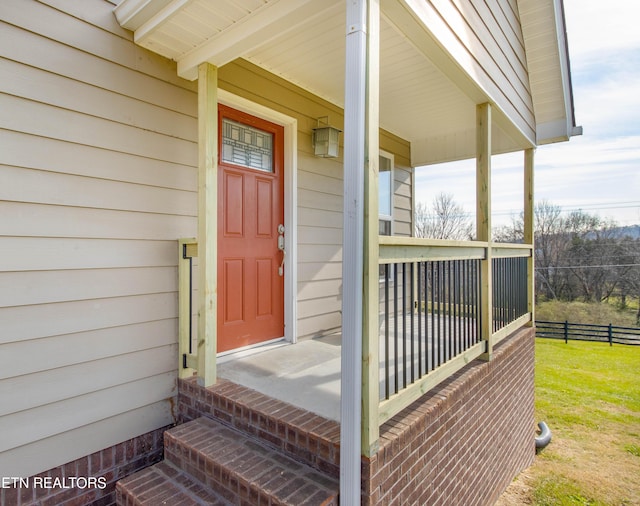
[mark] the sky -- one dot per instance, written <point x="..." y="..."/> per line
<point x="598" y="172"/>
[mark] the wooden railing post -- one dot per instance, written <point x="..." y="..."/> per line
<point x="370" y="306"/>
<point x="529" y="229"/>
<point x="207" y="221"/>
<point x="483" y="220"/>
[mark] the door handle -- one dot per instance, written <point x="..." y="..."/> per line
<point x="281" y="268"/>
<point x="281" y="247"/>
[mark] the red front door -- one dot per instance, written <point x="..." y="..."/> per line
<point x="251" y="210"/>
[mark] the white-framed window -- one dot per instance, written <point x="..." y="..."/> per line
<point x="385" y="197"/>
<point x="385" y="191"/>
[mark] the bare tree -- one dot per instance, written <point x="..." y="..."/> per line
<point x="551" y="243"/>
<point x="445" y="219"/>
<point x="592" y="256"/>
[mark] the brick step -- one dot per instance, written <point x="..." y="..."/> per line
<point x="208" y="463"/>
<point x="302" y="435"/>
<point x="243" y="468"/>
<point x="165" y="484"/>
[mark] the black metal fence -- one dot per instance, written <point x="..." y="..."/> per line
<point x="588" y="332"/>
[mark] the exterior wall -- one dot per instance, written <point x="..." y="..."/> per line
<point x="403" y="202"/>
<point x="486" y="38"/>
<point x="463" y="442"/>
<point x="52" y="487"/>
<point x="320" y="187"/>
<point x="98" y="180"/>
<point x="98" y="154"/>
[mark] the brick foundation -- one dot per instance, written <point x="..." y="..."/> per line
<point x="465" y="441"/>
<point x="462" y="443"/>
<point x="107" y="466"/>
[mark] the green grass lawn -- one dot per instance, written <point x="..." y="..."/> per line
<point x="589" y="395"/>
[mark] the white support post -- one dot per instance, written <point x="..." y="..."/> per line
<point x="360" y="116"/>
<point x="207" y="222"/>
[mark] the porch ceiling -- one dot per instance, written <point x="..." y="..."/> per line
<point x="425" y="97"/>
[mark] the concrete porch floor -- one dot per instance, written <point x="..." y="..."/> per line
<point x="305" y="374"/>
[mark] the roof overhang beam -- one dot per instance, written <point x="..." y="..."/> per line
<point x="132" y="14"/>
<point x="270" y="20"/>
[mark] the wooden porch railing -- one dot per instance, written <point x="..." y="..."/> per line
<point x="187" y="322"/>
<point x="432" y="309"/>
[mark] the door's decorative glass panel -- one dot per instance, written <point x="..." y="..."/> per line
<point x="247" y="146"/>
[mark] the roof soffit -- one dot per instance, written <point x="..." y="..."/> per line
<point x="543" y="27"/>
<point x="427" y="97"/>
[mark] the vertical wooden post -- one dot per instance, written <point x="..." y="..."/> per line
<point x="207" y="221"/>
<point x="529" y="215"/>
<point x="483" y="220"/>
<point x="371" y="295"/>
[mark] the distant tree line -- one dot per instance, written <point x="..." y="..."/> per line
<point x="578" y="256"/>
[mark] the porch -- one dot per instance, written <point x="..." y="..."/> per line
<point x="426" y="82"/>
<point x="433" y="304"/>
<point x="424" y="451"/>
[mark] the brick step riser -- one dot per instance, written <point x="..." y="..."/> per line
<point x="165" y="484"/>
<point x="242" y="469"/>
<point x="300" y="434"/>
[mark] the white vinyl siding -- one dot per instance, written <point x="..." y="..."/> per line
<point x="320" y="202"/>
<point x="402" y="202"/>
<point x="98" y="179"/>
<point x="487" y="37"/>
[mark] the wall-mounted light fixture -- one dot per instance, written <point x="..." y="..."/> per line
<point x="325" y="139"/>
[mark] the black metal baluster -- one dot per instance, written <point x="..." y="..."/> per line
<point x="395" y="326"/>
<point x="421" y="370"/>
<point x="386" y="330"/>
<point x="412" y="306"/>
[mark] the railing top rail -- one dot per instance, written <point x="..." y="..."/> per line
<point x="416" y="249"/>
<point x="502" y="250"/>
<point x="189" y="247"/>
<point x="511" y="245"/>
<point x="395" y="240"/>
<point x="413" y="249"/>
